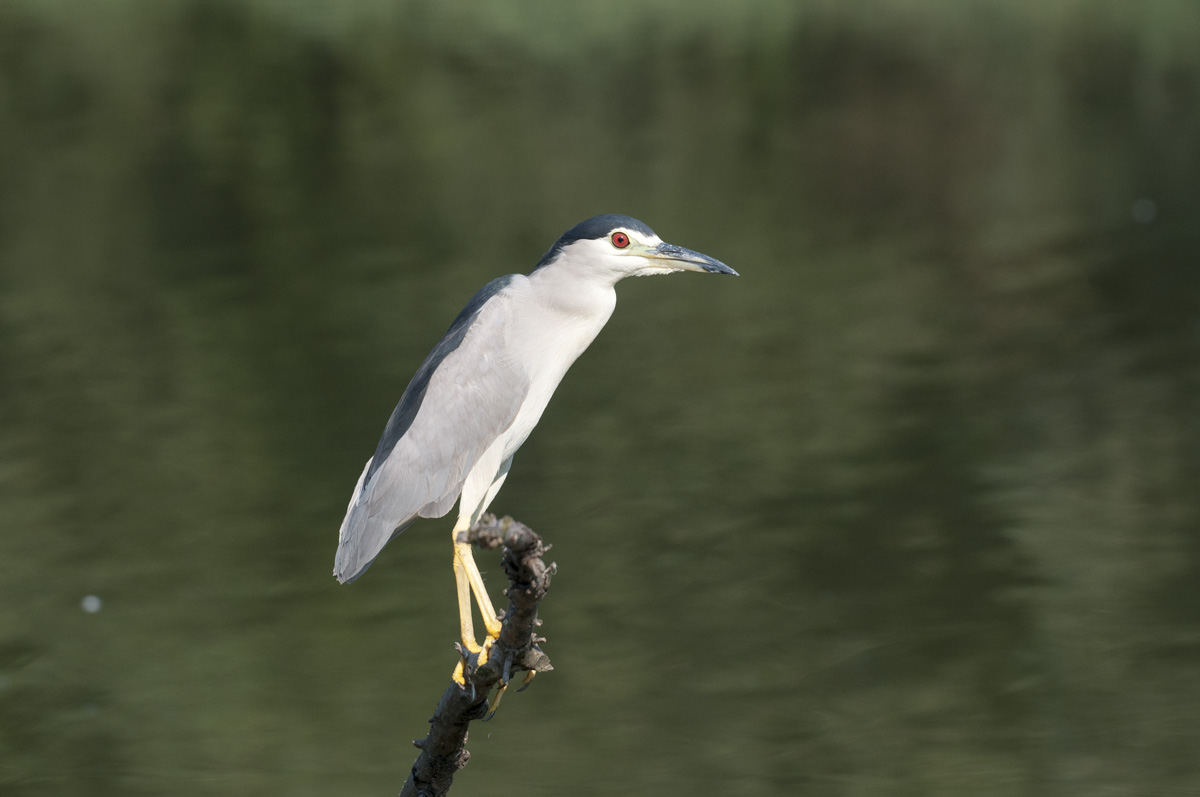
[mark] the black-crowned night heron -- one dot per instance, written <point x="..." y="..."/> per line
<point x="482" y="389"/>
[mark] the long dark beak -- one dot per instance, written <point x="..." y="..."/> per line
<point x="678" y="257"/>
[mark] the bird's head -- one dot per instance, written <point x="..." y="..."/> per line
<point x="613" y="246"/>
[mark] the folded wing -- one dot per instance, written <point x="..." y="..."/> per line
<point x="464" y="396"/>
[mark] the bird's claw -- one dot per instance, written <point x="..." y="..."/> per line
<point x="459" y="676"/>
<point x="460" y="669"/>
<point x="504" y="677"/>
<point x="528" y="680"/>
<point x="463" y="668"/>
<point x="494" y="705"/>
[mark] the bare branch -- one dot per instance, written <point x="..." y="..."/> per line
<point x="443" y="751"/>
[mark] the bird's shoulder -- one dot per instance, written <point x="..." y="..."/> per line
<point x="504" y="286"/>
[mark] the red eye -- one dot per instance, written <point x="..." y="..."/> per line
<point x="620" y="240"/>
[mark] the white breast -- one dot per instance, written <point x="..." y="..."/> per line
<point x="549" y="322"/>
<point x="547" y="337"/>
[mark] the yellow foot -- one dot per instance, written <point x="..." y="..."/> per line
<point x="495" y="703"/>
<point x="481" y="653"/>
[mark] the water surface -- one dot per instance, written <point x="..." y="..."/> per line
<point x="909" y="508"/>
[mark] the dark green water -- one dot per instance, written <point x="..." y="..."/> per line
<point x="910" y="508"/>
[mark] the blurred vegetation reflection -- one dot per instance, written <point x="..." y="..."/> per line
<point x="911" y="508"/>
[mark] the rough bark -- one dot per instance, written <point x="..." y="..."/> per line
<point x="443" y="750"/>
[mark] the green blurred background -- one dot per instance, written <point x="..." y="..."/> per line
<point x="910" y="508"/>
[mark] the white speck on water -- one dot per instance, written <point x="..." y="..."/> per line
<point x="90" y="604"/>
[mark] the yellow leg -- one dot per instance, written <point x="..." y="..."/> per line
<point x="469" y="580"/>
<point x="466" y="624"/>
<point x="464" y="561"/>
<point x="490" y="621"/>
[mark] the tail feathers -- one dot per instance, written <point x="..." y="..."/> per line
<point x="361" y="536"/>
<point x="352" y="559"/>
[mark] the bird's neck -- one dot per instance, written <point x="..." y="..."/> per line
<point x="587" y="297"/>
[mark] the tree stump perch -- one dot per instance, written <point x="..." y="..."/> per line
<point x="443" y="750"/>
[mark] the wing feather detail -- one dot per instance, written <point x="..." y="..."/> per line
<point x="470" y="396"/>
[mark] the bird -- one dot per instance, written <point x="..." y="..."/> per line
<point x="482" y="389"/>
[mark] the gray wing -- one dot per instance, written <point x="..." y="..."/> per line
<point x="461" y="399"/>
